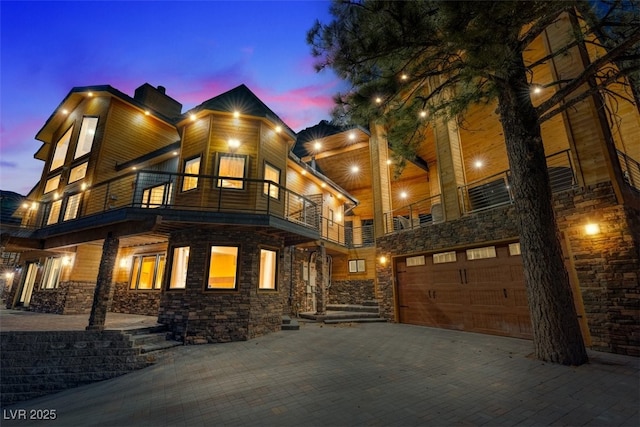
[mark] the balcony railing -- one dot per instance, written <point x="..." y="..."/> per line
<point x="418" y="214"/>
<point x="630" y="170"/>
<point x="162" y="190"/>
<point x="495" y="190"/>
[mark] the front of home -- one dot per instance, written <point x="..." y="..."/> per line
<point x="221" y="219"/>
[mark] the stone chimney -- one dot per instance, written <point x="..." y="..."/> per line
<point x="157" y="100"/>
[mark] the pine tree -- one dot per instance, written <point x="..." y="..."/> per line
<point x="437" y="58"/>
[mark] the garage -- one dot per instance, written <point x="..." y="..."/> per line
<point x="476" y="289"/>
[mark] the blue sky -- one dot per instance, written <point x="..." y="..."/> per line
<point x="197" y="50"/>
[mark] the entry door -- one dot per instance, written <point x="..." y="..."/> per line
<point x="27" y="288"/>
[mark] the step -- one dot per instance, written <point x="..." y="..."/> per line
<point x="352" y="308"/>
<point x="343" y="317"/>
<point x="290" y="325"/>
<point x="355" y="320"/>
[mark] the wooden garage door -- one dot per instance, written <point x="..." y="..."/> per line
<point x="481" y="290"/>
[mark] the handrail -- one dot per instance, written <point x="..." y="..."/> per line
<point x="417" y="214"/>
<point x="630" y="169"/>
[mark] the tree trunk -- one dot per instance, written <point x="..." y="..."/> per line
<point x="556" y="331"/>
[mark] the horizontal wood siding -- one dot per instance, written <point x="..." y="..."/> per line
<point x="86" y="263"/>
<point x="340" y="265"/>
<point x="195" y="142"/>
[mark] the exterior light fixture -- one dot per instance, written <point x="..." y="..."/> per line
<point x="317" y="146"/>
<point x="124" y="262"/>
<point x="478" y="163"/>
<point x="378" y="100"/>
<point x="404" y="77"/>
<point x="355" y="169"/>
<point x="423" y="114"/>
<point x="403" y="194"/>
<point x="592" y="229"/>
<point x="83" y="186"/>
<point x="278" y="129"/>
<point x="192" y="117"/>
<point x="90" y="94"/>
<point x="146" y="112"/>
<point x="56" y="196"/>
<point x="304" y="172"/>
<point x="323" y="185"/>
<point x="383" y="260"/>
<point x="175" y="153"/>
<point x="65" y="111"/>
<point x="34" y="206"/>
<point x="236" y="114"/>
<point x="352" y="136"/>
<point x="389" y="161"/>
<point x="234" y="143"/>
<point x="135" y="168"/>
<point x="25" y="205"/>
<point x="66" y="261"/>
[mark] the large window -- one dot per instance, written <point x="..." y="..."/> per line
<point x="51" y="275"/>
<point x="60" y="152"/>
<point x="231" y="166"/>
<point x="191" y="166"/>
<point x="272" y="174"/>
<point x="147" y="271"/>
<point x="52" y="184"/>
<point x="179" y="265"/>
<point x="78" y="172"/>
<point x="223" y="266"/>
<point x="157" y="196"/>
<point x="54" y="212"/>
<point x="73" y="203"/>
<point x="268" y="269"/>
<point x="85" y="140"/>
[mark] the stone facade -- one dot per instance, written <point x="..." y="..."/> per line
<point x="135" y="302"/>
<point x="67" y="298"/>
<point x="198" y="315"/>
<point x="606" y="265"/>
<point x="351" y="291"/>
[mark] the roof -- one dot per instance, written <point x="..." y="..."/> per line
<point x="321" y="130"/>
<point x="241" y="99"/>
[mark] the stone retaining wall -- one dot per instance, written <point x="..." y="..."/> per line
<point x="351" y="291"/>
<point x="146" y="303"/>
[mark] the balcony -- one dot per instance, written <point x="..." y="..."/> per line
<point x="630" y="170"/>
<point x="418" y="214"/>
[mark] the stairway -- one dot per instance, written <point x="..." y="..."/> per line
<point x="150" y="339"/>
<point x="366" y="312"/>
<point x="289" y="324"/>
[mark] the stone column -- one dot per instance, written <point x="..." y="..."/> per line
<point x="321" y="280"/>
<point x="103" y="294"/>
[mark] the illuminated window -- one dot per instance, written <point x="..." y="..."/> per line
<point x="514" y="249"/>
<point x="54" y="212"/>
<point x="272" y="174"/>
<point x="231" y="166"/>
<point x="357" y="266"/>
<point x="444" y="257"/>
<point x="73" y="203"/>
<point x="191" y="167"/>
<point x="481" y="253"/>
<point x="268" y="269"/>
<point x="179" y="265"/>
<point x="157" y="196"/>
<point x="78" y="172"/>
<point x="52" y="184"/>
<point x="147" y="271"/>
<point x="61" y="150"/>
<point x="223" y="265"/>
<point x="85" y="140"/>
<point x="51" y="275"/>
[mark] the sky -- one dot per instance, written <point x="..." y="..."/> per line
<point x="196" y="50"/>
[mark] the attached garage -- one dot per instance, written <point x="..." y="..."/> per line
<point x="477" y="289"/>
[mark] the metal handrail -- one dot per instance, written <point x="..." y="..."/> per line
<point x="630" y="169"/>
<point x="417" y="214"/>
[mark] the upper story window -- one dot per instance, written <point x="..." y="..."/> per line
<point x="147" y="271"/>
<point x="223" y="265"/>
<point x="179" y="263"/>
<point x="54" y="212"/>
<point x="157" y="196"/>
<point x="52" y="184"/>
<point x="271" y="173"/>
<point x="60" y="152"/>
<point x="191" y="166"/>
<point x="73" y="204"/>
<point x="78" y="172"/>
<point x="231" y="166"/>
<point x="87" y="133"/>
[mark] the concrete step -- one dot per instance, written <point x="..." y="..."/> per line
<point x="353" y="308"/>
<point x="289" y="324"/>
<point x="343" y="317"/>
<point x="151" y="339"/>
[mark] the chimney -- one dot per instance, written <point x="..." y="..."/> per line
<point x="157" y="100"/>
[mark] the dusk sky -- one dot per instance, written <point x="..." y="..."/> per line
<point x="197" y="50"/>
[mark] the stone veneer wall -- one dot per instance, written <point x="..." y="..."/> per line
<point x="67" y="298"/>
<point x="351" y="291"/>
<point x="128" y="301"/>
<point x="301" y="301"/>
<point x="196" y="315"/>
<point x="607" y="265"/>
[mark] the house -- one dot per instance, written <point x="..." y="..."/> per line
<point x="221" y="219"/>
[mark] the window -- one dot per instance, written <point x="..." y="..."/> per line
<point x="357" y="266"/>
<point x="179" y="265"/>
<point x="85" y="140"/>
<point x="52" y="184"/>
<point x="231" y="166"/>
<point x="514" y="249"/>
<point x="147" y="271"/>
<point x="155" y="197"/>
<point x="73" y="203"/>
<point x="272" y="174"/>
<point x="54" y="212"/>
<point x="415" y="261"/>
<point x="60" y="152"/>
<point x="191" y="167"/>
<point x="223" y="265"/>
<point x="51" y="275"/>
<point x="444" y="257"/>
<point x="78" y="172"/>
<point x="481" y="253"/>
<point x="268" y="264"/>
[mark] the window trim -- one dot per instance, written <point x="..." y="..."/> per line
<point x="171" y="256"/>
<point x="58" y="210"/>
<point x="357" y="266"/>
<point x="93" y="139"/>
<point x="156" y="283"/>
<point x="68" y="132"/>
<point x="68" y="204"/>
<point x="185" y="178"/>
<point x="267" y="187"/>
<point x="46" y="184"/>
<point x="86" y="168"/>
<point x="220" y="181"/>
<point x="276" y="267"/>
<point x="207" y="275"/>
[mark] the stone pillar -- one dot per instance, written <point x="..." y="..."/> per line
<point x="103" y="294"/>
<point x="321" y="280"/>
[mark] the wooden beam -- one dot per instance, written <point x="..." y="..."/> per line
<point x="331" y="153"/>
